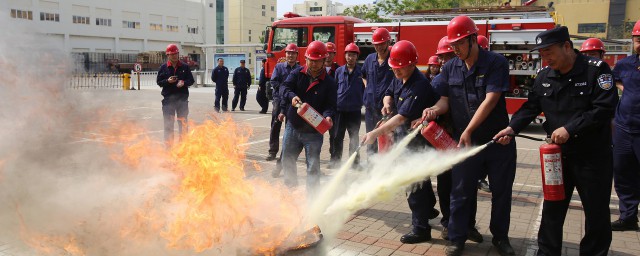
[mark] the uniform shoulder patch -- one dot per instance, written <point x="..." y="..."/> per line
<point x="605" y="81"/>
<point x="540" y="69"/>
<point x="596" y="63"/>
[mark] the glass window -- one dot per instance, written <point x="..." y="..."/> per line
<point x="591" y="28"/>
<point x="324" y="34"/>
<point x="284" y="36"/>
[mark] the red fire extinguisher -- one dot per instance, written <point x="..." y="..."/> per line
<point x="438" y="137"/>
<point x="385" y="140"/>
<point x="313" y="118"/>
<point x="551" y="167"/>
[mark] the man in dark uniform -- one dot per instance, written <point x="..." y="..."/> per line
<point x="575" y="93"/>
<point x="175" y="78"/>
<point x="329" y="63"/>
<point x="261" y="95"/>
<point x="280" y="73"/>
<point x="376" y="75"/>
<point x="241" y="82"/>
<point x="220" y="76"/>
<point x="409" y="94"/>
<point x="350" y="89"/>
<point x="471" y="88"/>
<point x="307" y="84"/>
<point x="626" y="143"/>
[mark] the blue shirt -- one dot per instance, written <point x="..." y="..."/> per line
<point x="411" y="98"/>
<point x="181" y="71"/>
<point x="321" y="94"/>
<point x="467" y="89"/>
<point x="241" y="78"/>
<point x="280" y="73"/>
<point x="220" y="76"/>
<point x="378" y="79"/>
<point x="350" y="88"/>
<point x="627" y="115"/>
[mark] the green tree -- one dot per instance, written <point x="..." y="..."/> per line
<point x="400" y="6"/>
<point x="368" y="13"/>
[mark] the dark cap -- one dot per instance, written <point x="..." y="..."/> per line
<point x="551" y="37"/>
<point x="241" y="61"/>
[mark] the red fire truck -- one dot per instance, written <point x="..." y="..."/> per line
<point x="511" y="32"/>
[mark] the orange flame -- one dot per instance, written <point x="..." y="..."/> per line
<point x="49" y="244"/>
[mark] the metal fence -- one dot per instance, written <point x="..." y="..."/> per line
<point x="95" y="81"/>
<point x="115" y="80"/>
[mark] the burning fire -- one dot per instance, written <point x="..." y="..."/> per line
<point x="208" y="203"/>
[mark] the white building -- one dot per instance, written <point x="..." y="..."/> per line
<point x="120" y="26"/>
<point x="319" y="8"/>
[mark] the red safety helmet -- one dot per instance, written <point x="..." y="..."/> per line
<point x="636" y="29"/>
<point x="483" y="42"/>
<point x="460" y="27"/>
<point x="403" y="53"/>
<point x="331" y="47"/>
<point x="443" y="46"/>
<point x="433" y="60"/>
<point x="352" y="48"/>
<point x="291" y="48"/>
<point x="380" y="35"/>
<point x="316" y="50"/>
<point x="592" y="44"/>
<point x="172" y="49"/>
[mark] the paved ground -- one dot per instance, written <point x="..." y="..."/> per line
<point x="376" y="230"/>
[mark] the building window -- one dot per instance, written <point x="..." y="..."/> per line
<point x="249" y="38"/>
<point x="50" y="16"/>
<point x="220" y="21"/>
<point x="103" y="22"/>
<point x="591" y="28"/>
<point x="315" y="9"/>
<point x="249" y="31"/>
<point x="264" y="6"/>
<point x="264" y="13"/>
<point x="192" y="30"/>
<point x="172" y="28"/>
<point x="272" y="19"/>
<point x="273" y="8"/>
<point x="20" y="14"/>
<point x="81" y="20"/>
<point x="155" y="26"/>
<point x="131" y="24"/>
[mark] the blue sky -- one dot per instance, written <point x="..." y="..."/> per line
<point x="287" y="5"/>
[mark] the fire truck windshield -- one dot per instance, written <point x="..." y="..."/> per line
<point x="284" y="36"/>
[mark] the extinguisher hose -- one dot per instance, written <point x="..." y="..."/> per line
<point x="526" y="137"/>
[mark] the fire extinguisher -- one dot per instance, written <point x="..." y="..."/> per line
<point x="385" y="141"/>
<point x="438" y="137"/>
<point x="313" y="118"/>
<point x="551" y="167"/>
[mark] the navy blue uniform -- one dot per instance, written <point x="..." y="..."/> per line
<point x="466" y="90"/>
<point x="626" y="135"/>
<point x="379" y="77"/>
<point x="582" y="101"/>
<point x="220" y="76"/>
<point x="241" y="82"/>
<point x="349" y="106"/>
<point x="261" y="95"/>
<point x="410" y="99"/>
<point x="319" y="93"/>
<point x="176" y="100"/>
<point x="280" y="73"/>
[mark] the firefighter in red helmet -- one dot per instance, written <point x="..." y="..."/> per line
<point x="404" y="101"/>
<point x="626" y="145"/>
<point x="578" y="98"/>
<point x="175" y="78"/>
<point x="308" y="84"/>
<point x="593" y="47"/>
<point x="472" y="87"/>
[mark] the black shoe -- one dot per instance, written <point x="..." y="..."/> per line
<point x="263" y="112"/>
<point x="233" y="109"/>
<point x="445" y="234"/>
<point x="624" y="225"/>
<point x="503" y="246"/>
<point x="454" y="249"/>
<point x="484" y="185"/>
<point x="414" y="238"/>
<point x="474" y="236"/>
<point x="271" y="157"/>
<point x="216" y="109"/>
<point x="241" y="109"/>
<point x="434" y="213"/>
<point x="225" y="109"/>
